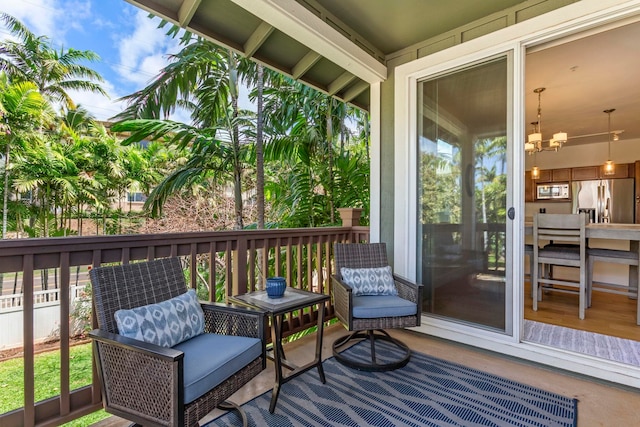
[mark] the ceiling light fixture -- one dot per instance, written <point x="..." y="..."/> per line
<point x="609" y="167"/>
<point x="534" y="141"/>
<point x="535" y="172"/>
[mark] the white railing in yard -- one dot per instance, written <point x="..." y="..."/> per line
<point x="51" y="296"/>
<point x="46" y="316"/>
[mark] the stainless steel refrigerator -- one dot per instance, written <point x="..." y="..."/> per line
<point x="606" y="200"/>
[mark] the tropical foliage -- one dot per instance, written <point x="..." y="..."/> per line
<point x="290" y="162"/>
<point x="306" y="143"/>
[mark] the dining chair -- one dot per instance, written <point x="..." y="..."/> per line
<point x="613" y="256"/>
<point x="569" y="229"/>
<point x="528" y="252"/>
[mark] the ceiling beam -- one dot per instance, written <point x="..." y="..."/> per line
<point x="257" y="38"/>
<point x="305" y="64"/>
<point x="340" y="82"/>
<point x="300" y="24"/>
<point x="355" y="90"/>
<point x="187" y="10"/>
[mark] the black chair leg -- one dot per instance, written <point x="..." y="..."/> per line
<point x="374" y="365"/>
<point x="228" y="405"/>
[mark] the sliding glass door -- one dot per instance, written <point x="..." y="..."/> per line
<point x="462" y="194"/>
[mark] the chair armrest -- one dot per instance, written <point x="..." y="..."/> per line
<point x="410" y="291"/>
<point x="228" y="319"/>
<point x="144" y="378"/>
<point x="407" y="289"/>
<point x="342" y="295"/>
<point x="153" y="350"/>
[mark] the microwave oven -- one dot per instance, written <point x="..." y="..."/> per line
<point x="552" y="191"/>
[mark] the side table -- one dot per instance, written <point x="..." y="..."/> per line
<point x="276" y="308"/>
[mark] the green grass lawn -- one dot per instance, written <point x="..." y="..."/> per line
<point x="47" y="380"/>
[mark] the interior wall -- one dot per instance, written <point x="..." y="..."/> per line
<point x="570" y="156"/>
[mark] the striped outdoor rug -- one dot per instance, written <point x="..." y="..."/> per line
<point x="598" y="345"/>
<point x="426" y="392"/>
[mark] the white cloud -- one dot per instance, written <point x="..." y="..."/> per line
<point x="40" y="16"/>
<point x="181" y="116"/>
<point x="76" y="12"/>
<point x="144" y="52"/>
<point x="101" y="107"/>
<point x="148" y="68"/>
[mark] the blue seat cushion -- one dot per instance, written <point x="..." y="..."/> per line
<point x="209" y="359"/>
<point x="375" y="306"/>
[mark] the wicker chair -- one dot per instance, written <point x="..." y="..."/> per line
<point x="403" y="310"/>
<point x="153" y="385"/>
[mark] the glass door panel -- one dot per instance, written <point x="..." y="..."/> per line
<point x="462" y="194"/>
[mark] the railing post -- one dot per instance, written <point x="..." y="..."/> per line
<point x="350" y="216"/>
<point x="239" y="267"/>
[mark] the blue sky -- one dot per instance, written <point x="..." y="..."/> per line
<point x="131" y="47"/>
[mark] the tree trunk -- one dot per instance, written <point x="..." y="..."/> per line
<point x="260" y="160"/>
<point x="329" y="119"/>
<point x="5" y="199"/>
<point x="259" y="146"/>
<point x="237" y="167"/>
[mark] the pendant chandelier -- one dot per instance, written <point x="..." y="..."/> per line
<point x="535" y="142"/>
<point x="609" y="167"/>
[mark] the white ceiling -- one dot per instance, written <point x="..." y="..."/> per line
<point x="583" y="77"/>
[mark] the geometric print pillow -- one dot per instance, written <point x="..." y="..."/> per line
<point x="166" y="323"/>
<point x="369" y="281"/>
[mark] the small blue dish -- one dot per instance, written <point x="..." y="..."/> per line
<point x="276" y="287"/>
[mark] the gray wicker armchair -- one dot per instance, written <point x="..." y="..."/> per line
<point x="366" y="316"/>
<point x="154" y="385"/>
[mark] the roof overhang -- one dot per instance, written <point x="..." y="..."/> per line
<point x="282" y="35"/>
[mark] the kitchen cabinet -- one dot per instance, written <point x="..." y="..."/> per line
<point x="585" y="173"/>
<point x="561" y="175"/>
<point x="596" y="172"/>
<point x="621" y="171"/>
<point x="529" y="187"/>
<point x="545" y="176"/>
<point x="637" y="176"/>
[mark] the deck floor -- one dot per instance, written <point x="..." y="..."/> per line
<point x="600" y="404"/>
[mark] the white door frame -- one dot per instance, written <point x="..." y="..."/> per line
<point x="562" y="22"/>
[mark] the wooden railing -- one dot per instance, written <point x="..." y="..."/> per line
<point x="238" y="259"/>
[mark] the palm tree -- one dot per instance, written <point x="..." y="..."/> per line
<point x="215" y="152"/>
<point x="32" y="59"/>
<point x="24" y="111"/>
<point x="309" y="124"/>
<point x="202" y="79"/>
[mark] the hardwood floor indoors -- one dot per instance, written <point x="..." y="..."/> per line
<point x="609" y="314"/>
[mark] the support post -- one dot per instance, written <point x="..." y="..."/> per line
<point x="350" y="216"/>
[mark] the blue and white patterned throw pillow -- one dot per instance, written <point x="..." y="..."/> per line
<point x="166" y="323"/>
<point x="369" y="281"/>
